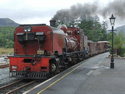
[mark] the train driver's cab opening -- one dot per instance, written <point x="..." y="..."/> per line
<point x="89" y="47"/>
<point x="69" y="32"/>
<point x="77" y="32"/>
<point x="98" y="47"/>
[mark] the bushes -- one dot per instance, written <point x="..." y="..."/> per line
<point x="121" y="51"/>
<point x="119" y="40"/>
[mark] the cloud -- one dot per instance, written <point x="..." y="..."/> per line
<point x="22" y="10"/>
<point x="36" y="11"/>
<point x="23" y="14"/>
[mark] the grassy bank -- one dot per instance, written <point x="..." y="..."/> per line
<point x="6" y="50"/>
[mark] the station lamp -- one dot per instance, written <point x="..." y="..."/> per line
<point x="112" y="21"/>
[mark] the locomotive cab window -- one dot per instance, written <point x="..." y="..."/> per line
<point x="76" y="32"/>
<point x="69" y="32"/>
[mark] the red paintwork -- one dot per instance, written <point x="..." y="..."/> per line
<point x="76" y="39"/>
<point x="92" y="48"/>
<point x="85" y="42"/>
<point x="18" y="61"/>
<point x="63" y="27"/>
<point x="101" y="45"/>
<point x="58" y="42"/>
<point x="30" y="48"/>
<point x="74" y="42"/>
<point x="71" y="43"/>
<point x="97" y="47"/>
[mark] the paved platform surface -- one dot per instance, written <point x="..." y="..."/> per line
<point x="92" y="76"/>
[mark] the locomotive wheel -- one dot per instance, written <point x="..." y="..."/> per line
<point x="81" y="58"/>
<point x="86" y="56"/>
<point x="53" y="67"/>
<point x="75" y="60"/>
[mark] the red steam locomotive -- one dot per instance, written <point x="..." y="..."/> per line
<point x="40" y="50"/>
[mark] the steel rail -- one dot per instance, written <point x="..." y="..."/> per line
<point x="10" y="84"/>
<point x="19" y="87"/>
<point x="4" y="66"/>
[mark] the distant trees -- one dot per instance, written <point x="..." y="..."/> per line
<point x="7" y="37"/>
<point x="118" y="42"/>
<point x="91" y="27"/>
<point x="94" y="30"/>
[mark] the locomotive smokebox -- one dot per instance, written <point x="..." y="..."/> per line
<point x="53" y="23"/>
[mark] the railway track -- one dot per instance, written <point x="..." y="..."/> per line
<point x="19" y="86"/>
<point x="14" y="88"/>
<point x="4" y="66"/>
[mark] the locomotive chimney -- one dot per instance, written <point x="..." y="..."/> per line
<point x="53" y="23"/>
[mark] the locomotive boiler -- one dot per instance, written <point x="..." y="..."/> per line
<point x="40" y="50"/>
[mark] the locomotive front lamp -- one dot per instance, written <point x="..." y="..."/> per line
<point x="27" y="29"/>
<point x="112" y="21"/>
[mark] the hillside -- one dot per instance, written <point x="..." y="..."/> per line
<point x="119" y="29"/>
<point x="7" y="22"/>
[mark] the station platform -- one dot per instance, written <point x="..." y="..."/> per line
<point x="92" y="76"/>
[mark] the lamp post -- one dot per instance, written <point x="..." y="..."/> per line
<point x="112" y="21"/>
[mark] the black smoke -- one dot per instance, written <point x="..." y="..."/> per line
<point x="117" y="7"/>
<point x="89" y="10"/>
<point x="83" y="11"/>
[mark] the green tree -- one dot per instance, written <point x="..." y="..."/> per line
<point x="7" y="37"/>
<point x="1" y="39"/>
<point x="118" y="42"/>
<point x="109" y="36"/>
<point x="93" y="30"/>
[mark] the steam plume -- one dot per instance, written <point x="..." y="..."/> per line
<point x="89" y="10"/>
<point x="83" y="11"/>
<point x="117" y="7"/>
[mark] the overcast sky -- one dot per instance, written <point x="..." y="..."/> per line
<point x="39" y="11"/>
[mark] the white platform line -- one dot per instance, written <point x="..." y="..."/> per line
<point x="90" y="72"/>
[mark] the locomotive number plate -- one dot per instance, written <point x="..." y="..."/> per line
<point x="40" y="51"/>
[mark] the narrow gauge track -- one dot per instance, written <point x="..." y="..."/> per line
<point x="13" y="88"/>
<point x="4" y="66"/>
<point x="18" y="87"/>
